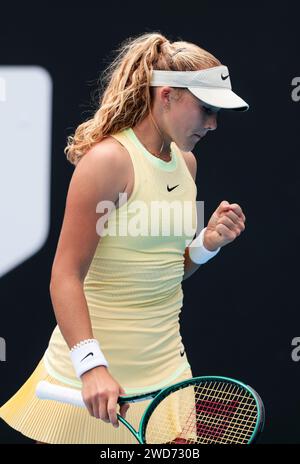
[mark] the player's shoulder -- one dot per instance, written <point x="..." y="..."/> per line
<point x="108" y="153"/>
<point x="191" y="162"/>
<point x="103" y="163"/>
<point x="108" y="149"/>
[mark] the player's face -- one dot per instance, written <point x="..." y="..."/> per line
<point x="190" y="119"/>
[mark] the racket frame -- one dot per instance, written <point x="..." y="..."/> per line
<point x="159" y="395"/>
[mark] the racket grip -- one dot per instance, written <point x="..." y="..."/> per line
<point x="49" y="391"/>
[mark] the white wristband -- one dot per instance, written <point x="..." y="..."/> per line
<point x="86" y="355"/>
<point x="197" y="251"/>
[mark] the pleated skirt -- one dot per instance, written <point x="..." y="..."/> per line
<point x="58" y="423"/>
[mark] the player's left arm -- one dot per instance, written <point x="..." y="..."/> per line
<point x="189" y="266"/>
<point x="225" y="225"/>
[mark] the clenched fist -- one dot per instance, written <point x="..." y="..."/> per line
<point x="225" y="224"/>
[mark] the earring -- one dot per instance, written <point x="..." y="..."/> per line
<point x="161" y="147"/>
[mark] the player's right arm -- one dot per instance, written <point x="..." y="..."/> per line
<point x="100" y="175"/>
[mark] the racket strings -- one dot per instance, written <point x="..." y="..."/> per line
<point x="210" y="412"/>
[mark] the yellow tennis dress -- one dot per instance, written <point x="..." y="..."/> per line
<point x="134" y="296"/>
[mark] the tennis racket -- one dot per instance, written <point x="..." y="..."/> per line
<point x="198" y="410"/>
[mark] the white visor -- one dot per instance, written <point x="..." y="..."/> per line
<point x="211" y="85"/>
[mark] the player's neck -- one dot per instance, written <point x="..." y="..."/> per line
<point x="157" y="143"/>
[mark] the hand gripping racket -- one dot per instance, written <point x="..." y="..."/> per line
<point x="198" y="410"/>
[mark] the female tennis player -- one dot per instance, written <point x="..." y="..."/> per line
<point x="116" y="283"/>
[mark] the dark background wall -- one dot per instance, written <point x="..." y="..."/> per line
<point x="241" y="310"/>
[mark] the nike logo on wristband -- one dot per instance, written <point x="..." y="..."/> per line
<point x="181" y="354"/>
<point x="89" y="354"/>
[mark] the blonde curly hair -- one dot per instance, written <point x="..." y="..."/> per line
<point x="127" y="97"/>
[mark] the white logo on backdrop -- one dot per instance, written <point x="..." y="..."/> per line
<point x="25" y="155"/>
<point x="2" y="349"/>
